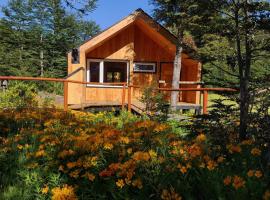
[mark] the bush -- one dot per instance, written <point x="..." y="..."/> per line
<point x="156" y="105"/>
<point x="19" y="95"/>
<point x="58" y="155"/>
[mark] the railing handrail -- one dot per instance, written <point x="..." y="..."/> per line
<point x="22" y="78"/>
<point x="124" y="84"/>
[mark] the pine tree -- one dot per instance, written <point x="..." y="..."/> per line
<point x="36" y="35"/>
<point x="180" y="16"/>
<point x="245" y="26"/>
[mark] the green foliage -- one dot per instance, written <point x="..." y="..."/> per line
<point x="156" y="106"/>
<point x="19" y="95"/>
<point x="36" y="35"/>
<point x="138" y="160"/>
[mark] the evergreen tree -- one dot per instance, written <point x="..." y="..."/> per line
<point x="35" y="36"/>
<point x="241" y="29"/>
<point x="181" y="17"/>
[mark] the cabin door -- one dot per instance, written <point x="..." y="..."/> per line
<point x="166" y="75"/>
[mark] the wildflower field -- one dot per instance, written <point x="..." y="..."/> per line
<point x="50" y="154"/>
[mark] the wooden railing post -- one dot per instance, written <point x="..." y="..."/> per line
<point x="123" y="96"/>
<point x="65" y="96"/>
<point x="205" y="101"/>
<point x="129" y="98"/>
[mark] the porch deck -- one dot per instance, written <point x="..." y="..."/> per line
<point x="136" y="105"/>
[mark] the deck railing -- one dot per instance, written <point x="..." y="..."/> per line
<point x="125" y="86"/>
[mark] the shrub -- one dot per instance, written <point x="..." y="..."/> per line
<point x="85" y="156"/>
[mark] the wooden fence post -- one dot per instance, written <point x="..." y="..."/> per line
<point x="129" y="98"/>
<point x="123" y="96"/>
<point x="205" y="101"/>
<point x="65" y="96"/>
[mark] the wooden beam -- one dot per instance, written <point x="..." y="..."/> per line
<point x="129" y="98"/>
<point x="65" y="96"/>
<point x="123" y="96"/>
<point x="205" y="102"/>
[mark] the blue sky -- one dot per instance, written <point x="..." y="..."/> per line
<point x="109" y="12"/>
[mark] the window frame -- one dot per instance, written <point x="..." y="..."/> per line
<point x="145" y="63"/>
<point x="101" y="72"/>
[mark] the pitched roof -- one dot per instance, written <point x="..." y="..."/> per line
<point x="138" y="15"/>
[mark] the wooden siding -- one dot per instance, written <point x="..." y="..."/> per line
<point x="135" y="42"/>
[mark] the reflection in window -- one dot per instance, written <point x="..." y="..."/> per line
<point x="94" y="71"/>
<point x="115" y="72"/>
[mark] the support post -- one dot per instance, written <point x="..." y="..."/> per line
<point x="123" y="96"/>
<point x="65" y="96"/>
<point x="129" y="98"/>
<point x="205" y="102"/>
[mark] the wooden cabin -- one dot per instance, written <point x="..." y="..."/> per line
<point x="136" y="50"/>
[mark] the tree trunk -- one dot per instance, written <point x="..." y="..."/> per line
<point x="177" y="71"/>
<point x="41" y="57"/>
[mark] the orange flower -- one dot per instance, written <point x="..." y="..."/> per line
<point x="141" y="156"/>
<point x="258" y="174"/>
<point x="256" y="152"/>
<point x="45" y="190"/>
<point x="201" y="138"/>
<point x="137" y="183"/>
<point x="220" y="159"/>
<point x="227" y="180"/>
<point x="234" y="148"/>
<point x="211" y="165"/>
<point x="238" y="182"/>
<point x="64" y="193"/>
<point x="250" y="173"/>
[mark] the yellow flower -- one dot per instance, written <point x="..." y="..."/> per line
<point x="108" y="146"/>
<point x="152" y="154"/>
<point x="247" y="142"/>
<point x="40" y="153"/>
<point x="20" y="147"/>
<point x="250" y="173"/>
<point x="201" y="138"/>
<point x="120" y="183"/>
<point x="227" y="180"/>
<point x="64" y="193"/>
<point x="256" y="152"/>
<point x="238" y="182"/>
<point x="124" y="140"/>
<point x="258" y="174"/>
<point x="211" y="165"/>
<point x="45" y="190"/>
<point x="129" y="150"/>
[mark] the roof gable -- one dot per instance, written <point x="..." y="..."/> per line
<point x="139" y="17"/>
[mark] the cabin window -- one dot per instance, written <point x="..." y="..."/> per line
<point x="115" y="72"/>
<point x="144" y="67"/>
<point x="106" y="71"/>
<point x="94" y="71"/>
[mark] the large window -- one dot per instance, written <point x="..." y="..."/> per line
<point x="108" y="71"/>
<point x="115" y="72"/>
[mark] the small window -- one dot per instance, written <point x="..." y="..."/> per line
<point x="144" y="67"/>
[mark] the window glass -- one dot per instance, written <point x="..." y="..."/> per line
<point x="94" y="71"/>
<point x="144" y="67"/>
<point x="115" y="72"/>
